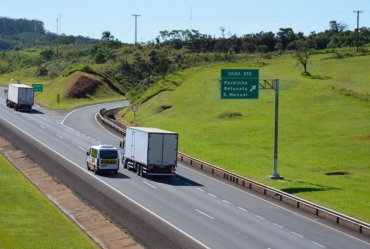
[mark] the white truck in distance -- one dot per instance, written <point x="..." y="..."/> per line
<point x="150" y="151"/>
<point x="19" y="96"/>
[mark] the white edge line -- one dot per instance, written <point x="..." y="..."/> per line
<point x="120" y="193"/>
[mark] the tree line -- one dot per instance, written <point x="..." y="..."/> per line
<point x="337" y="35"/>
<point x="17" y="34"/>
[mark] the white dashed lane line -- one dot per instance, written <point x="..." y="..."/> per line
<point x="242" y="209"/>
<point x="81" y="148"/>
<point x="205" y="214"/>
<point x="42" y="127"/>
<point x="297" y="234"/>
<point x="318" y="244"/>
<point x="149" y="184"/>
<point x="277" y="225"/>
<point x="60" y="136"/>
<point x="212" y="195"/>
<point x="260" y="217"/>
<point x="200" y="189"/>
<point x="226" y="201"/>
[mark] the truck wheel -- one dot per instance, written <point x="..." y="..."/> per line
<point x="124" y="163"/>
<point x="95" y="170"/>
<point x="115" y="172"/>
<point x="87" y="165"/>
<point x="15" y="107"/>
<point x="139" y="170"/>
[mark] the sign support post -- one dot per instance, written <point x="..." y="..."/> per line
<point x="276" y="175"/>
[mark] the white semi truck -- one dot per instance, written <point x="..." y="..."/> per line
<point x="150" y="151"/>
<point x="19" y="97"/>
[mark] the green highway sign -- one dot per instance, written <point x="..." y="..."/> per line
<point x="38" y="87"/>
<point x="239" y="83"/>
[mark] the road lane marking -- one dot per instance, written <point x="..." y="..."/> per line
<point x="42" y="127"/>
<point x="81" y="148"/>
<point x="226" y="201"/>
<point x="318" y="244"/>
<point x="277" y="225"/>
<point x="260" y="217"/>
<point x="149" y="184"/>
<point x="200" y="189"/>
<point x="297" y="234"/>
<point x="243" y="209"/>
<point x="205" y="214"/>
<point x="212" y="195"/>
<point x="59" y="136"/>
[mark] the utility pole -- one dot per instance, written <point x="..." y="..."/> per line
<point x="358" y="17"/>
<point x="135" y="28"/>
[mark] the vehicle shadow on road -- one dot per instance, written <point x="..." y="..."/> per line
<point x="111" y="175"/>
<point x="34" y="111"/>
<point x="176" y="180"/>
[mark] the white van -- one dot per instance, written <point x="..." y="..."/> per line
<point x="103" y="158"/>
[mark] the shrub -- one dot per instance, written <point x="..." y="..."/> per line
<point x="77" y="67"/>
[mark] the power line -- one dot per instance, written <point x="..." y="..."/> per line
<point x="247" y="16"/>
<point x="358" y="17"/>
<point x="135" y="28"/>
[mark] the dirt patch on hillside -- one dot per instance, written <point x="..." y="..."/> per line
<point x="81" y="86"/>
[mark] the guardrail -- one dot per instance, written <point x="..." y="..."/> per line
<point x="338" y="218"/>
<point x="109" y="123"/>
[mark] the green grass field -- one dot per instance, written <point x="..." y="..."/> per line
<point x="324" y="126"/>
<point x="30" y="220"/>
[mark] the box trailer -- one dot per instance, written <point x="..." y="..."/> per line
<point x="150" y="151"/>
<point x="19" y="97"/>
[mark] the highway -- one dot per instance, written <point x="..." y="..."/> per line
<point x="190" y="210"/>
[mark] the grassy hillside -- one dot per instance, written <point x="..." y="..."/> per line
<point x="324" y="126"/>
<point x="75" y="90"/>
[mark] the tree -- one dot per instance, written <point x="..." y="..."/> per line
<point x="107" y="36"/>
<point x="47" y="54"/>
<point x="337" y="27"/>
<point x="303" y="50"/>
<point x="222" y="31"/>
<point x="286" y="36"/>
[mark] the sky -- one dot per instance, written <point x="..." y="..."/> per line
<point x="91" y="18"/>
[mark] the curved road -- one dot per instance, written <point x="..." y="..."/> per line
<point x="190" y="210"/>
